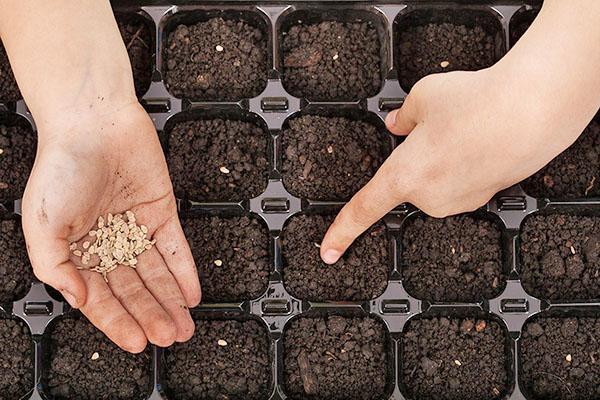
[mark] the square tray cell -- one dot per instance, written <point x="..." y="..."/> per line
<point x="225" y="359"/>
<point x="455" y="259"/>
<point x="519" y="24"/>
<point x="9" y="91"/>
<point x="560" y="257"/>
<point x="560" y="359"/>
<point x="217" y="159"/>
<point x="575" y="173"/>
<point x="454" y="358"/>
<point x="232" y="256"/>
<point x="16" y="274"/>
<point x="17" y="153"/>
<point x="361" y="273"/>
<point x="138" y="36"/>
<point x="82" y="363"/>
<point x="431" y="41"/>
<point x="16" y="360"/>
<point x="219" y="55"/>
<point x="333" y="55"/>
<point x="335" y="358"/>
<point x="331" y="157"/>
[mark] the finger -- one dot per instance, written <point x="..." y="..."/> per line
<point x="107" y="314"/>
<point x="143" y="307"/>
<point x="162" y="285"/>
<point x="370" y="204"/>
<point x="404" y="119"/>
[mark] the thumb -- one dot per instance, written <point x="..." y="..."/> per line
<point x="404" y="119"/>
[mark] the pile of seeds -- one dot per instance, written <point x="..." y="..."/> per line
<point x="118" y="242"/>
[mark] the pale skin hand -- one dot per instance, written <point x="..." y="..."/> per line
<point x="472" y="134"/>
<point x="98" y="152"/>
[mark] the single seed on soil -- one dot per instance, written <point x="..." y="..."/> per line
<point x="480" y="326"/>
<point x="573" y="250"/>
<point x="335" y="56"/>
<point x="457" y="363"/>
<point x="218" y="263"/>
<point x="219" y="47"/>
<point x="86" y="244"/>
<point x="224" y="170"/>
<point x="569" y="358"/>
<point x="222" y="342"/>
<point x="329" y="149"/>
<point x="95" y="356"/>
<point x="317" y="245"/>
<point x="444" y="64"/>
<point x="496" y="391"/>
<point x="1" y="151"/>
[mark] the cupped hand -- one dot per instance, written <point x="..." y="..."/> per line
<point x="111" y="162"/>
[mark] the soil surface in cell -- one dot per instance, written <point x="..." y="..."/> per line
<point x="16" y="274"/>
<point x="561" y="359"/>
<point x="560" y="257"/>
<point x="16" y="360"/>
<point x="454" y="359"/>
<point x="216" y="60"/>
<point x="138" y="41"/>
<point x="332" y="61"/>
<point x="84" y="364"/>
<point x="361" y="273"/>
<point x="573" y="174"/>
<point x="330" y="158"/>
<point x="232" y="256"/>
<point x="218" y="160"/>
<point x="335" y="358"/>
<point x="9" y="91"/>
<point x="223" y="360"/>
<point x="455" y="259"/>
<point x="442" y="47"/>
<point x="17" y="153"/>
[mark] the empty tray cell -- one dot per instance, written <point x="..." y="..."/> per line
<point x="331" y="158"/>
<point x="82" y="363"/>
<point x="232" y="256"/>
<point x="441" y="40"/>
<point x="361" y="273"/>
<point x="573" y="174"/>
<point x="332" y="55"/>
<point x="220" y="56"/>
<point x="218" y="159"/>
<point x="455" y="259"/>
<point x="335" y="358"/>
<point x="139" y="42"/>
<point x="16" y="274"/>
<point x="17" y="153"/>
<point x="226" y="359"/>
<point x="519" y="24"/>
<point x="453" y="358"/>
<point x="9" y="91"/>
<point x="560" y="257"/>
<point x="560" y="359"/>
<point x="16" y="360"/>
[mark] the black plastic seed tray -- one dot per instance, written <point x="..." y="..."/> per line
<point x="509" y="306"/>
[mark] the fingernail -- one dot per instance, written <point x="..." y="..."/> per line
<point x="390" y="119"/>
<point x="72" y="300"/>
<point x="331" y="256"/>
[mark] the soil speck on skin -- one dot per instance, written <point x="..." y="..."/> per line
<point x="231" y="254"/>
<point x="197" y="69"/>
<point x="361" y="273"/>
<point x="335" y="358"/>
<point x="547" y="373"/>
<point x="9" y="91"/>
<point x="330" y="158"/>
<point x="16" y="359"/>
<point x="73" y="373"/>
<point x="201" y="368"/>
<point x="19" y="146"/>
<point x="139" y="44"/>
<point x="16" y="274"/>
<point x="198" y="149"/>
<point x="332" y="61"/>
<point x="550" y="270"/>
<point x="431" y="349"/>
<point x="455" y="259"/>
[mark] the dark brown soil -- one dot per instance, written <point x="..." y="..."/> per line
<point x="216" y="60"/>
<point x="237" y="369"/>
<point x="232" y="256"/>
<point x="560" y="257"/>
<point x="17" y="153"/>
<point x="361" y="273"/>
<point x="201" y="152"/>
<point x="332" y="61"/>
<point x="546" y="374"/>
<point x="455" y="259"/>
<point x="335" y="358"/>
<point x="573" y="174"/>
<point x="454" y="359"/>
<point x="72" y="373"/>
<point x="16" y="360"/>
<point x="330" y="158"/>
<point x="9" y="91"/>
<point x="425" y="50"/>
<point x="138" y="41"/>
<point x="16" y="274"/>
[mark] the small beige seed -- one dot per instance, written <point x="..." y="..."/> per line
<point x="218" y="263"/>
<point x="1" y="151"/>
<point x="95" y="356"/>
<point x="335" y="57"/>
<point x="569" y="358"/>
<point x="86" y="244"/>
<point x="330" y="149"/>
<point x="219" y="48"/>
<point x="224" y="170"/>
<point x="317" y="245"/>
<point x="222" y="342"/>
<point x="444" y="64"/>
<point x="78" y="253"/>
<point x="573" y="250"/>
<point x="457" y="363"/>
